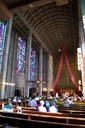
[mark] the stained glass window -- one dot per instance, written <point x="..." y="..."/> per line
<point x="33" y="66"/>
<point x="21" y="56"/>
<point x="3" y="27"/>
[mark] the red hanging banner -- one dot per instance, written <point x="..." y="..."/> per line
<point x="58" y="74"/>
<point x="69" y="70"/>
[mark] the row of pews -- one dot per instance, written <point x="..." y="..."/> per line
<point x="72" y="117"/>
<point x="39" y="121"/>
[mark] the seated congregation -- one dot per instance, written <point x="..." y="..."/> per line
<point x="38" y="109"/>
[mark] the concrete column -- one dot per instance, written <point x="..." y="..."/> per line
<point x="37" y="73"/>
<point x="5" y="62"/>
<point x="48" y="77"/>
<point x="28" y="62"/>
<point x="40" y="71"/>
<point x="11" y="68"/>
<point x="14" y="57"/>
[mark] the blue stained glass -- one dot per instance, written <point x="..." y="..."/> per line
<point x="33" y="65"/>
<point x="21" y="56"/>
<point x="3" y="27"/>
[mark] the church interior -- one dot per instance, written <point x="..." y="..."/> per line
<point x="36" y="35"/>
<point x="42" y="63"/>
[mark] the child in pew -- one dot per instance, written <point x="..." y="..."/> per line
<point x="19" y="108"/>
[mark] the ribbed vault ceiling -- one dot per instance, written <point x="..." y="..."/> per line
<point x="54" y="25"/>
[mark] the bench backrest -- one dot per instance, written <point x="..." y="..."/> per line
<point x="23" y="123"/>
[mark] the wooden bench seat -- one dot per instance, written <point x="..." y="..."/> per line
<point x="44" y="117"/>
<point x="59" y="108"/>
<point x="61" y="113"/>
<point x="29" y="108"/>
<point x="74" y="108"/>
<point x="69" y="113"/>
<point x="62" y="110"/>
<point x="72" y="111"/>
<point x="24" y="123"/>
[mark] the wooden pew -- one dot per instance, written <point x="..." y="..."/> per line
<point x="23" y="123"/>
<point x="63" y="110"/>
<point x="59" y="108"/>
<point x="50" y="119"/>
<point x="68" y="108"/>
<point x="68" y="114"/>
<point x="29" y="108"/>
<point x="73" y="108"/>
<point x="72" y="111"/>
<point x="44" y="117"/>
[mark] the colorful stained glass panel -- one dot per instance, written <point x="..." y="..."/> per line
<point x="3" y="27"/>
<point x="33" y="66"/>
<point x="21" y="56"/>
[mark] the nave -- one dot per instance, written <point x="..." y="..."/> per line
<point x="42" y="54"/>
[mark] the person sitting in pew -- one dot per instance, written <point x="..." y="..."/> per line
<point x="66" y="103"/>
<point x="70" y="101"/>
<point x="32" y="103"/>
<point x="8" y="107"/>
<point x="19" y="108"/>
<point x="14" y="100"/>
<point x="53" y="108"/>
<point x="47" y="105"/>
<point x="41" y="108"/>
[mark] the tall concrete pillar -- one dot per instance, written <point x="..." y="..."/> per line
<point x="40" y="70"/>
<point x="28" y="61"/>
<point x="13" y="73"/>
<point x="11" y="68"/>
<point x="48" y="77"/>
<point x="5" y="60"/>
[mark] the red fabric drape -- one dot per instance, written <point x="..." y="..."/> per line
<point x="69" y="70"/>
<point x="58" y="74"/>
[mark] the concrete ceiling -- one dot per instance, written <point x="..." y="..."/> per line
<point x="54" y="23"/>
